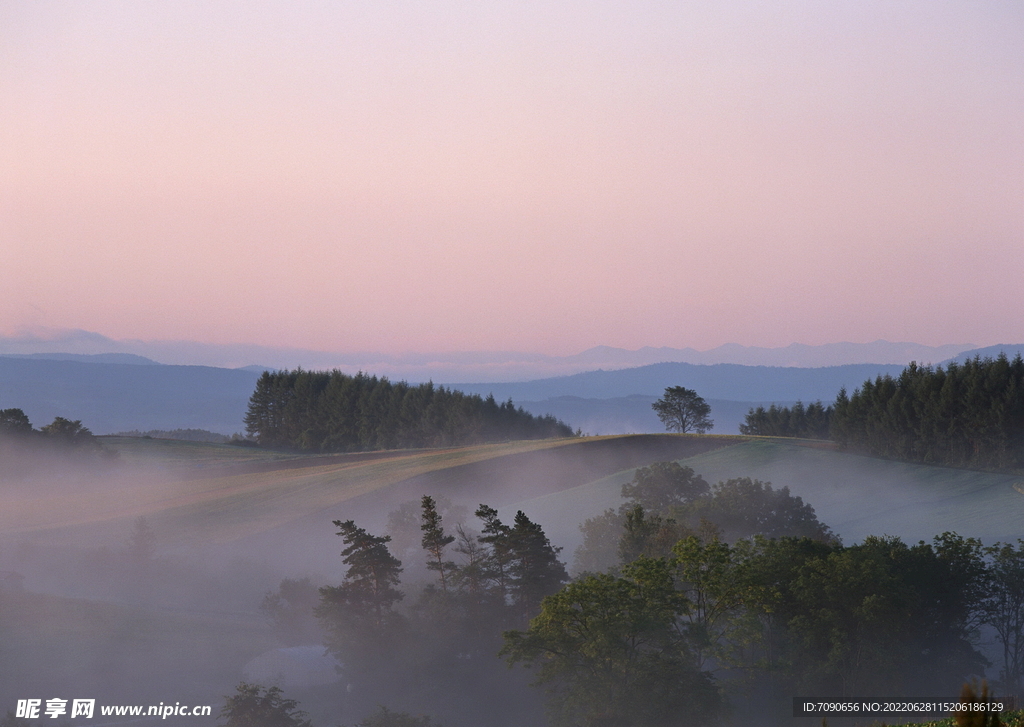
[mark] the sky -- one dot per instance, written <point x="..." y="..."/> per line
<point x="494" y="176"/>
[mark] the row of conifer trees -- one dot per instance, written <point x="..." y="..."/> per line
<point x="969" y="414"/>
<point x="324" y="411"/>
<point x="964" y="415"/>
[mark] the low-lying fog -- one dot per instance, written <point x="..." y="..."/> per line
<point x="126" y="585"/>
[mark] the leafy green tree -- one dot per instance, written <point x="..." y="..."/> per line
<point x="743" y="507"/>
<point x="683" y="410"/>
<point x="14" y="422"/>
<point x="659" y="490"/>
<point x="435" y="541"/>
<point x="664" y="485"/>
<point x="70" y="433"/>
<point x="714" y="577"/>
<point x="599" y="550"/>
<point x="648" y="535"/>
<point x="255" y="706"/>
<point x="885" y="615"/>
<point x="610" y="651"/>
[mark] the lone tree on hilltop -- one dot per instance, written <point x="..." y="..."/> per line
<point x="683" y="410"/>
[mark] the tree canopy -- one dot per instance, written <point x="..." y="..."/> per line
<point x="609" y="650"/>
<point x="683" y="410"/>
<point x="965" y="415"/>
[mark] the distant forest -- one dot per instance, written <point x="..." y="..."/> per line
<point x="184" y="435"/>
<point x="321" y="411"/>
<point x="963" y="415"/>
<point x="808" y="422"/>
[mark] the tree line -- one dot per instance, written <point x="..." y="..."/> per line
<point x="963" y="415"/>
<point x="15" y="426"/>
<point x="735" y="588"/>
<point x="323" y="411"/>
<point x="813" y="421"/>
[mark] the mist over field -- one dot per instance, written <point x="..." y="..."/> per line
<point x="156" y="562"/>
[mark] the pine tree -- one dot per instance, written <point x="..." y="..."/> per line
<point x="359" y="612"/>
<point x="435" y="541"/>
<point x="535" y="568"/>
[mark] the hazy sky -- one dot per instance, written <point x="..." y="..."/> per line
<point x="541" y="176"/>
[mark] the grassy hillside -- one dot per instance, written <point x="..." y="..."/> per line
<point x="855" y="495"/>
<point x="198" y="493"/>
<point x="195" y="493"/>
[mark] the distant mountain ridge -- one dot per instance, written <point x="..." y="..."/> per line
<point x="465" y="366"/>
<point x="114" y="358"/>
<point x="1010" y="349"/>
<point x="732" y="382"/>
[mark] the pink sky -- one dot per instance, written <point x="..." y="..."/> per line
<point x="543" y="176"/>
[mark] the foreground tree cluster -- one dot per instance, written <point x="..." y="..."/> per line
<point x="690" y="598"/>
<point x="334" y="412"/>
<point x="444" y="639"/>
<point x="15" y="427"/>
<point x="771" y="602"/>
<point x="25" y="449"/>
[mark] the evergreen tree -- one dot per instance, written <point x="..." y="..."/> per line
<point x="358" y="615"/>
<point x="435" y="541"/>
<point x="535" y="569"/>
<point x="498" y="563"/>
<point x="290" y="610"/>
<point x="965" y="415"/>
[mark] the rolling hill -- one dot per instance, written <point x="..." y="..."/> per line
<point x="855" y="495"/>
<point x="239" y="500"/>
